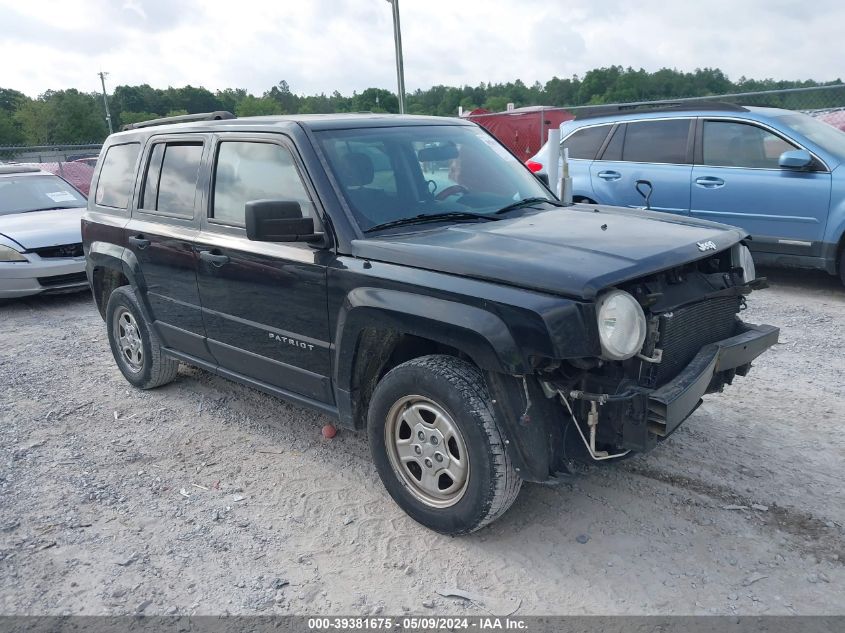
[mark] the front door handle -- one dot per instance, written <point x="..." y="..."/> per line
<point x="609" y="175"/>
<point x="214" y="259"/>
<point x="139" y="241"/>
<point x="710" y="182"/>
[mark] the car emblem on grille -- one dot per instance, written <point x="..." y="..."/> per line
<point x="709" y="245"/>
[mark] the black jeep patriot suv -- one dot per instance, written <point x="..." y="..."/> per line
<point x="409" y="276"/>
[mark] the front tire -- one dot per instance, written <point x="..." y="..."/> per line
<point x="134" y="344"/>
<point x="437" y="446"/>
<point x="842" y="265"/>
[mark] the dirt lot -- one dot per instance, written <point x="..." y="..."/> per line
<point x="206" y="497"/>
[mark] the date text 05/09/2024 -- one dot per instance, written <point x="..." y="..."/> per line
<point x="430" y="623"/>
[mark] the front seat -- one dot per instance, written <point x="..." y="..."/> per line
<point x="370" y="204"/>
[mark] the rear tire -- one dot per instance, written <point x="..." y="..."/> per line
<point x="134" y="344"/>
<point x="437" y="447"/>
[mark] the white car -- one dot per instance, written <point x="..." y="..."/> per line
<point x="40" y="233"/>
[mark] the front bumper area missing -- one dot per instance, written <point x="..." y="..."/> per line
<point x="713" y="367"/>
<point x="637" y="419"/>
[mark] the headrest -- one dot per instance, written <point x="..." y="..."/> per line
<point x="357" y="169"/>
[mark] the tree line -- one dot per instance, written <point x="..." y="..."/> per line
<point x="70" y="116"/>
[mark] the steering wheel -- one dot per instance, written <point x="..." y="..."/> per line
<point x="451" y="190"/>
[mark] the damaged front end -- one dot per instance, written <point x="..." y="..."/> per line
<point x="601" y="408"/>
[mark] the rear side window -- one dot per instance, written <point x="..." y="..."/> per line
<point x="656" y="142"/>
<point x="117" y="176"/>
<point x="170" y="184"/>
<point x="254" y="171"/>
<point x="586" y="143"/>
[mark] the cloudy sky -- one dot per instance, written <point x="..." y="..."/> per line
<point x="346" y="45"/>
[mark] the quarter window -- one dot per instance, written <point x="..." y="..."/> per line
<point x="170" y="184"/>
<point x="613" y="151"/>
<point x="586" y="143"/>
<point x="254" y="171"/>
<point x="148" y="201"/>
<point x="117" y="176"/>
<point x="656" y="142"/>
<point x="733" y="144"/>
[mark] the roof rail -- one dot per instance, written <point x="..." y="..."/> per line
<point x="622" y="108"/>
<point x="182" y="118"/>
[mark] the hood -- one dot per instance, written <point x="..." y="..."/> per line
<point x="574" y="251"/>
<point x="38" y="229"/>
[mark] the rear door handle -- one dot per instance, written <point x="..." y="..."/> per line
<point x="609" y="175"/>
<point x="214" y="259"/>
<point x="139" y="241"/>
<point x="710" y="182"/>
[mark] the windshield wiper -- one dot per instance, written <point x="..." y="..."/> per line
<point x="50" y="209"/>
<point x="527" y="202"/>
<point x="433" y="217"/>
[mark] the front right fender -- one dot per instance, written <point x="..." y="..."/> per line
<point x="480" y="334"/>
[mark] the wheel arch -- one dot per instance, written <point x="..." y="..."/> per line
<point x="834" y="237"/>
<point x="104" y="266"/>
<point x="379" y="329"/>
<point x="110" y="266"/>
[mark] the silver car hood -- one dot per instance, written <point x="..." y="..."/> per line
<point x="38" y="229"/>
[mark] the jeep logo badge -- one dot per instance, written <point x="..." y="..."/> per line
<point x="709" y="245"/>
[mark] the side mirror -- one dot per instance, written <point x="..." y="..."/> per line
<point x="795" y="159"/>
<point x="278" y="221"/>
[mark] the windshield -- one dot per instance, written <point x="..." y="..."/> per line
<point x="388" y="174"/>
<point x="822" y="134"/>
<point x="19" y="194"/>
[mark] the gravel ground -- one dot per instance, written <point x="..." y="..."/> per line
<point x="205" y="497"/>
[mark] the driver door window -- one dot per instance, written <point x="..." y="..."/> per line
<point x="732" y="144"/>
<point x="254" y="171"/>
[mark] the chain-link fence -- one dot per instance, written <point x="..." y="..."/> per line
<point x="48" y="153"/>
<point x="74" y="163"/>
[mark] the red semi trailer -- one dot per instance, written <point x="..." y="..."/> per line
<point x="522" y="130"/>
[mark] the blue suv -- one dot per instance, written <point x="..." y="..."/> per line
<point x="777" y="174"/>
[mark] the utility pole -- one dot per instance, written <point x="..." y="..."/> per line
<point x="106" y="100"/>
<point x="397" y="41"/>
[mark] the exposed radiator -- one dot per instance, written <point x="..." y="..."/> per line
<point x="685" y="331"/>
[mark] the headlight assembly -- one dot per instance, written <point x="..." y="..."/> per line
<point x="622" y="325"/>
<point x="9" y="254"/>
